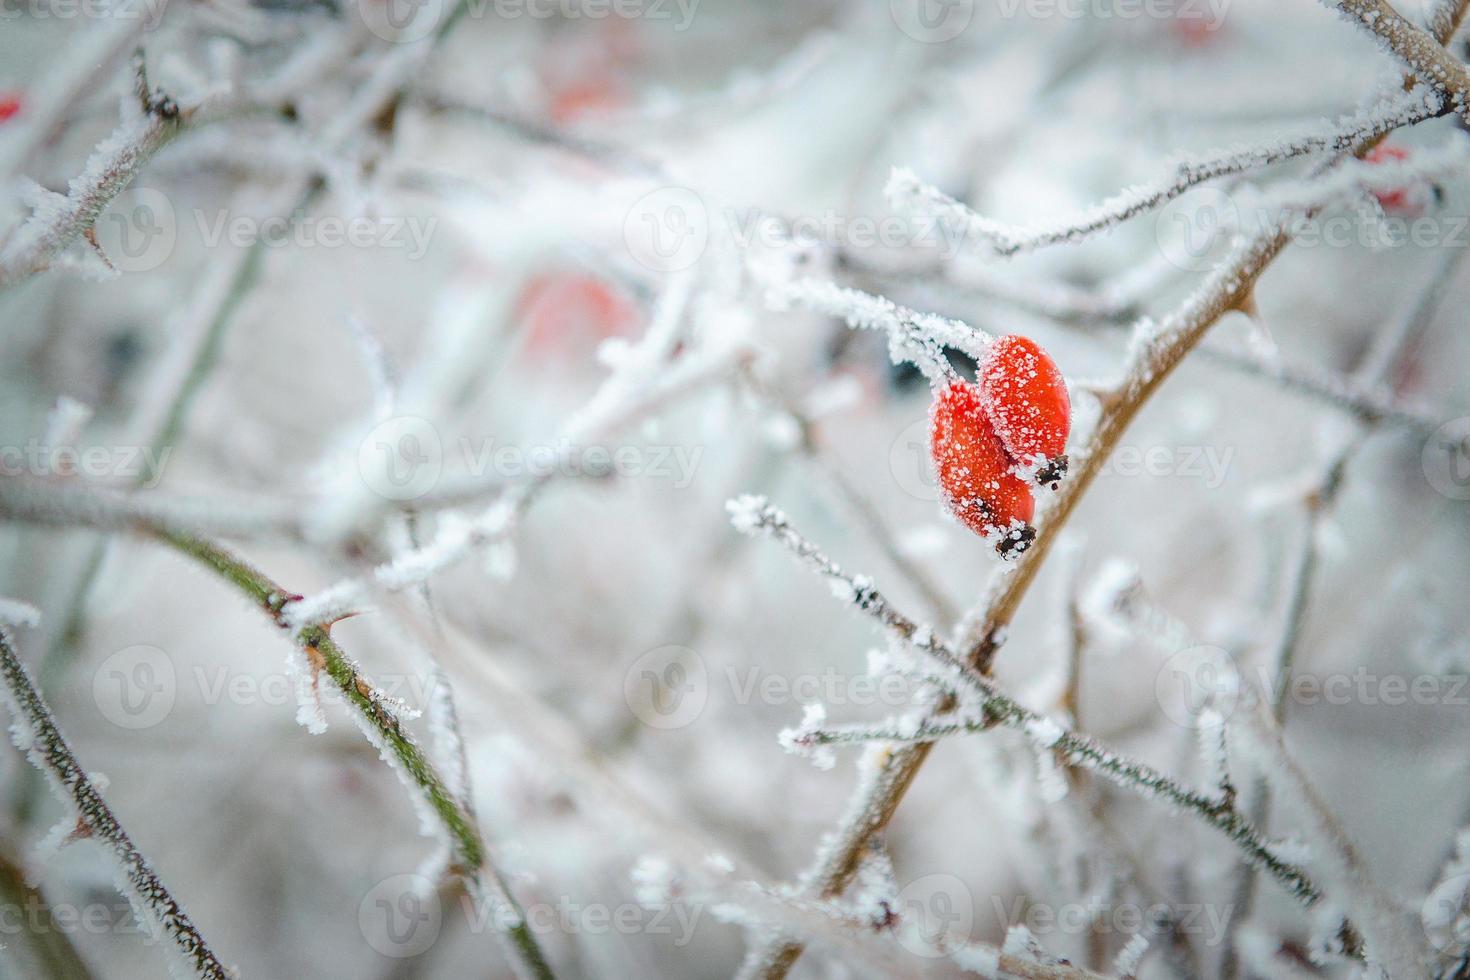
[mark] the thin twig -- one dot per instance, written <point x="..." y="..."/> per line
<point x="38" y="736"/>
<point x="1319" y="504"/>
<point x="384" y="730"/>
<point x="909" y="194"/>
<point x="994" y="707"/>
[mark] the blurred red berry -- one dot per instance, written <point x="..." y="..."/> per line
<point x="564" y="307"/>
<point x="1400" y="200"/>
<point x="975" y="474"/>
<point x="583" y="100"/>
<point x="1026" y="399"/>
<point x="10" y="105"/>
<point x="1195" y="32"/>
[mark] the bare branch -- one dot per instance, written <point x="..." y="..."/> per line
<point x="37" y="735"/>
<point x="910" y="195"/>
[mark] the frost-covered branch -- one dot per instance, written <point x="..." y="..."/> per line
<point x="919" y="338"/>
<point x="59" y="221"/>
<point x="1155" y="352"/>
<point x="754" y="515"/>
<point x="35" y="732"/>
<point x="379" y="719"/>
<point x="1419" y="50"/>
<point x="1319" y="503"/>
<point x="459" y="535"/>
<point x="1387" y="944"/>
<point x="908" y="194"/>
<point x="54" y="503"/>
<point x="67" y="81"/>
<point x="858" y="505"/>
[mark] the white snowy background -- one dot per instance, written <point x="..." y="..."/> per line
<point x="538" y="228"/>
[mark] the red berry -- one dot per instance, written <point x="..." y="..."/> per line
<point x="1195" y="32"/>
<point x="1026" y="399"/>
<point x="975" y="474"/>
<point x="10" y="105"/>
<point x="571" y="308"/>
<point x="1398" y="200"/>
<point x="581" y="100"/>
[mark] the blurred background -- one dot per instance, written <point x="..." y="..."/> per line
<point x="403" y="262"/>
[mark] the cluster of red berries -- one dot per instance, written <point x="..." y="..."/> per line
<point x="986" y="437"/>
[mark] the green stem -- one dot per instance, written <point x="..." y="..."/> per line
<point x="322" y="651"/>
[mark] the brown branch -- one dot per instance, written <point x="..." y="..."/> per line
<point x="1230" y="287"/>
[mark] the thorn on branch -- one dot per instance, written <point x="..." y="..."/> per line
<point x="154" y="101"/>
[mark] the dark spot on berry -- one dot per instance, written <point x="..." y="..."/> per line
<point x="1016" y="541"/>
<point x="1052" y="472"/>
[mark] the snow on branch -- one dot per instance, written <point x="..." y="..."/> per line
<point x="1356" y="178"/>
<point x="149" y="122"/>
<point x="872" y="927"/>
<point x="381" y="719"/>
<point x="1418" y="49"/>
<point x="908" y="194"/>
<point x="459" y="535"/>
<point x="754" y="515"/>
<point x="73" y="503"/>
<point x="1347" y="885"/>
<point x="34" y="730"/>
<point x="919" y="338"/>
